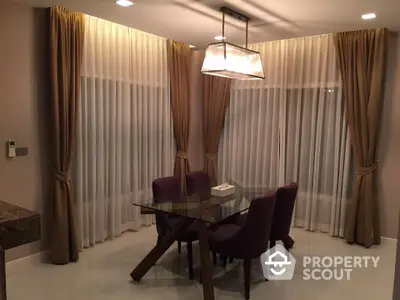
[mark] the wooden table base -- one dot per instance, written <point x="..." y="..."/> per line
<point x="162" y="246"/>
<point x="206" y="264"/>
<point x="159" y="249"/>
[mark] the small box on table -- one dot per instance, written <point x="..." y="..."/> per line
<point x="223" y="190"/>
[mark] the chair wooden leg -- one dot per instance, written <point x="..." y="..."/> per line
<point x="223" y="260"/>
<point x="214" y="256"/>
<point x="190" y="259"/>
<point x="288" y="243"/>
<point x="179" y="247"/>
<point x="230" y="260"/>
<point x="247" y="272"/>
<point x="158" y="239"/>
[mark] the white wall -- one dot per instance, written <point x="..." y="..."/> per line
<point x="23" y="180"/>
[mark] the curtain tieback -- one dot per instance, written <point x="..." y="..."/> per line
<point x="365" y="170"/>
<point x="182" y="154"/>
<point x="63" y="177"/>
<point x="211" y="156"/>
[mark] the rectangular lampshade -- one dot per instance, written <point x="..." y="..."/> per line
<point x="228" y="60"/>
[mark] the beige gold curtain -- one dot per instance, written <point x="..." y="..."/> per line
<point x="362" y="59"/>
<point x="179" y="58"/>
<point x="215" y="103"/>
<point x="66" y="48"/>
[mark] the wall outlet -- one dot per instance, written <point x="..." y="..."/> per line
<point x="22" y="151"/>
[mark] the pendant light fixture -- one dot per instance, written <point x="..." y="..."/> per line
<point x="232" y="61"/>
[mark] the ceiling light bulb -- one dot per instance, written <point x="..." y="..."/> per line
<point x="368" y="16"/>
<point x="220" y="38"/>
<point x="124" y="3"/>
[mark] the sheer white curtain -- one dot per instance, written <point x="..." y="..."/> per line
<point x="291" y="127"/>
<point x="125" y="137"/>
<point x="249" y="147"/>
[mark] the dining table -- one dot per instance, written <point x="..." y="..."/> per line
<point x="206" y="211"/>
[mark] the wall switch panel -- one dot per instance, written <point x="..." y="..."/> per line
<point x="11" y="145"/>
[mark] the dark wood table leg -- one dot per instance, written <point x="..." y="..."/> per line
<point x="161" y="247"/>
<point x="206" y="264"/>
<point x="3" y="290"/>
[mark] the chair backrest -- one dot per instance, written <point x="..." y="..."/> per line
<point x="166" y="189"/>
<point x="285" y="200"/>
<point x="199" y="183"/>
<point x="256" y="231"/>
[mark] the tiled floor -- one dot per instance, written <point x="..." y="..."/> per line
<point x="103" y="273"/>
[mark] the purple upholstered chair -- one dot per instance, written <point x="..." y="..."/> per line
<point x="198" y="182"/>
<point x="165" y="189"/>
<point x="285" y="200"/>
<point x="248" y="241"/>
<point x="168" y="189"/>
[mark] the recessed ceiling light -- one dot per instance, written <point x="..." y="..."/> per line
<point x="124" y="3"/>
<point x="220" y="38"/>
<point x="369" y="16"/>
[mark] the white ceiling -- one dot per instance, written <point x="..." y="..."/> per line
<point x="196" y="22"/>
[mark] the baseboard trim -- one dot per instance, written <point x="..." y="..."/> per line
<point x="388" y="238"/>
<point x="33" y="259"/>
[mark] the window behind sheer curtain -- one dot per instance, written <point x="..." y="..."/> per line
<point x="291" y="127"/>
<point x="316" y="135"/>
<point x="124" y="128"/>
<point x="249" y="148"/>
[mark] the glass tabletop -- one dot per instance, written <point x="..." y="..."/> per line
<point x="208" y="208"/>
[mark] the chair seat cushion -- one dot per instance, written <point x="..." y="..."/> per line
<point x="223" y="233"/>
<point x="237" y="219"/>
<point x="191" y="233"/>
<point x="241" y="220"/>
